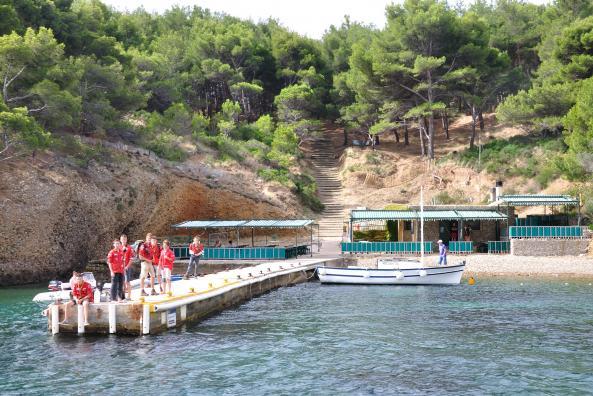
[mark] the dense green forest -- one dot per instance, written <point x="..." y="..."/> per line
<point x="77" y="67"/>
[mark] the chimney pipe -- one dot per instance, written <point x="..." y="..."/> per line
<point x="493" y="194"/>
<point x="498" y="189"/>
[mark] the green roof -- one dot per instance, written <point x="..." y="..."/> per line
<point x="538" y="200"/>
<point x="448" y="214"/>
<point x="290" y="223"/>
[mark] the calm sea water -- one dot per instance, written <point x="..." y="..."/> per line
<point x="496" y="337"/>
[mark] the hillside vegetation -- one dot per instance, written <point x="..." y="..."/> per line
<point x="191" y="81"/>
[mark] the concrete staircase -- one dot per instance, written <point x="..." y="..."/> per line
<point x="326" y="172"/>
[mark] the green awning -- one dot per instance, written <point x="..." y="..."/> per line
<point x="358" y="215"/>
<point x="289" y="223"/>
<point x="383" y="215"/>
<point x="538" y="200"/>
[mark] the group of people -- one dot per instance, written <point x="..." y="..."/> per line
<point x="156" y="261"/>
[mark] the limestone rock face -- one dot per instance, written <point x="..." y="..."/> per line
<point x="55" y="216"/>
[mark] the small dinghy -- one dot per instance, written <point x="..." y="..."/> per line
<point x="394" y="272"/>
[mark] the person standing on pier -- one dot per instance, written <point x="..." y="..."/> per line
<point x="128" y="270"/>
<point x="442" y="253"/>
<point x="82" y="294"/>
<point x="115" y="261"/>
<point x="166" y="263"/>
<point x="196" y="250"/>
<point x="146" y="268"/>
<point x="155" y="248"/>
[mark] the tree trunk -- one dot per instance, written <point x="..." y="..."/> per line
<point x="421" y="127"/>
<point x="431" y="136"/>
<point x="396" y="134"/>
<point x="345" y="138"/>
<point x="406" y="134"/>
<point x="446" y="124"/>
<point x="472" y="138"/>
<point x="481" y="119"/>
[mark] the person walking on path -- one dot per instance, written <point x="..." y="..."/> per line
<point x="166" y="263"/>
<point x="196" y="250"/>
<point x="128" y="269"/>
<point x="82" y="294"/>
<point x="155" y="248"/>
<point x="115" y="261"/>
<point x="442" y="253"/>
<point x="146" y="268"/>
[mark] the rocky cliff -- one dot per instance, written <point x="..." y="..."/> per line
<point x="56" y="216"/>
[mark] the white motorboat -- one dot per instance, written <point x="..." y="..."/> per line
<point x="64" y="294"/>
<point x="394" y="272"/>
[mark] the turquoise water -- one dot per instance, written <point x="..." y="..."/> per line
<point x="496" y="337"/>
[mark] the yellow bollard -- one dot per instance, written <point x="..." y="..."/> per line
<point x="210" y="285"/>
<point x="471" y="281"/>
<point x="141" y="299"/>
<point x="170" y="294"/>
<point x="192" y="290"/>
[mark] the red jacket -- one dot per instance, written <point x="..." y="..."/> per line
<point x="156" y="254"/>
<point x="116" y="260"/>
<point x="145" y="252"/>
<point x="196" y="249"/>
<point x="128" y="254"/>
<point x="81" y="291"/>
<point x="167" y="258"/>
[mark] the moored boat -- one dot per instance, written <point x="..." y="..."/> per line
<point x="404" y="272"/>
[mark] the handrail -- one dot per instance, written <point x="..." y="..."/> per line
<point x="386" y="247"/>
<point x="556" y="232"/>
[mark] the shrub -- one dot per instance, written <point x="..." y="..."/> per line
<point x="166" y="145"/>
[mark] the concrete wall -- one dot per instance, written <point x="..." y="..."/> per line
<point x="549" y="247"/>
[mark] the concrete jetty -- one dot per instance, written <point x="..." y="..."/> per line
<point x="190" y="301"/>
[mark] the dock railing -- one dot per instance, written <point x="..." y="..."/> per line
<point x="245" y="253"/>
<point x="499" y="247"/>
<point x="461" y="247"/>
<point x="559" y="232"/>
<point x="386" y="247"/>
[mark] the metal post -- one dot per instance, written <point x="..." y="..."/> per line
<point x="311" y="246"/>
<point x="579" y="211"/>
<point x="55" y="318"/>
<point x="80" y="319"/>
<point x="252" y="240"/>
<point x="112" y="324"/>
<point x="350" y="229"/>
<point x="146" y="319"/>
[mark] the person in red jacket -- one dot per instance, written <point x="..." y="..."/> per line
<point x="115" y="261"/>
<point x="196" y="250"/>
<point x="146" y="268"/>
<point x="166" y="263"/>
<point x="128" y="269"/>
<point x="82" y="294"/>
<point x="156" y="256"/>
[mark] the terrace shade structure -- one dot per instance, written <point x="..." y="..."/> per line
<point x="459" y="226"/>
<point x="542" y="225"/>
<point x="239" y="251"/>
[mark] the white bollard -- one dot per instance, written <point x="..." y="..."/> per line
<point x="55" y="319"/>
<point x="112" y="324"/>
<point x="80" y="319"/>
<point x="146" y="319"/>
<point x="183" y="312"/>
<point x="164" y="318"/>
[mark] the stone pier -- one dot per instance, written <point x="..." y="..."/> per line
<point x="191" y="300"/>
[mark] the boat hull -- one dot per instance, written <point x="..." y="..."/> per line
<point x="443" y="275"/>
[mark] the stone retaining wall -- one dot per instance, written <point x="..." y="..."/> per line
<point x="549" y="247"/>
